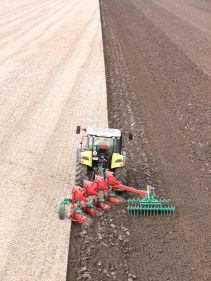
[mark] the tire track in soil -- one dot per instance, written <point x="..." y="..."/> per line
<point x="14" y="31"/>
<point x="150" y="83"/>
<point x="25" y="14"/>
<point x="36" y="31"/>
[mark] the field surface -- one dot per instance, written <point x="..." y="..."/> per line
<point x="52" y="78"/>
<point x="158" y="71"/>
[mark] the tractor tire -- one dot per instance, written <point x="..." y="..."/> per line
<point x="81" y="174"/>
<point x="121" y="174"/>
<point x="61" y="212"/>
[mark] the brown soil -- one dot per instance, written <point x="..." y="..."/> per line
<point x="158" y="93"/>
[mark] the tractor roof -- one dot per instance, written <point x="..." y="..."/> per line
<point x="104" y="132"/>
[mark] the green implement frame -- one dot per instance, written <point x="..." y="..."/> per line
<point x="150" y="206"/>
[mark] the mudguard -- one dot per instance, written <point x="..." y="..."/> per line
<point x="86" y="158"/>
<point x="117" y="161"/>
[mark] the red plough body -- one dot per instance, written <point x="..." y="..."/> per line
<point x="116" y="184"/>
<point x="93" y="194"/>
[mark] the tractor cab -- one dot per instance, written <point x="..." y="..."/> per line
<point x="101" y="148"/>
<point x="102" y="145"/>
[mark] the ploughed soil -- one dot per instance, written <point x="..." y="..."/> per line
<point x="159" y="94"/>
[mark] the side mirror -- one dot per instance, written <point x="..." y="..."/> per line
<point x="78" y="130"/>
<point x="130" y="136"/>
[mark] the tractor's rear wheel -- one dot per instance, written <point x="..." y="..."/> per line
<point x="81" y="174"/>
<point x="121" y="174"/>
<point x="81" y="171"/>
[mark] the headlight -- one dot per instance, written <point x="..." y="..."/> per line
<point x="94" y="153"/>
<point x="85" y="158"/>
<point x="119" y="161"/>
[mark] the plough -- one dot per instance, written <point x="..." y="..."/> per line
<point x="94" y="194"/>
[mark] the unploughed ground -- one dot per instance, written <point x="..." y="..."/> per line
<point x="158" y="68"/>
<point x="52" y="78"/>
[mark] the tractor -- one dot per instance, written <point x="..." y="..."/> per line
<point x="101" y="148"/>
<point x="100" y="173"/>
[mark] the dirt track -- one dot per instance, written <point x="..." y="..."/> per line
<point x="158" y="68"/>
<point x="52" y="78"/>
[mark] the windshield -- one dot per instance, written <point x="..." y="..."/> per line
<point x="102" y="140"/>
<point x="112" y="143"/>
